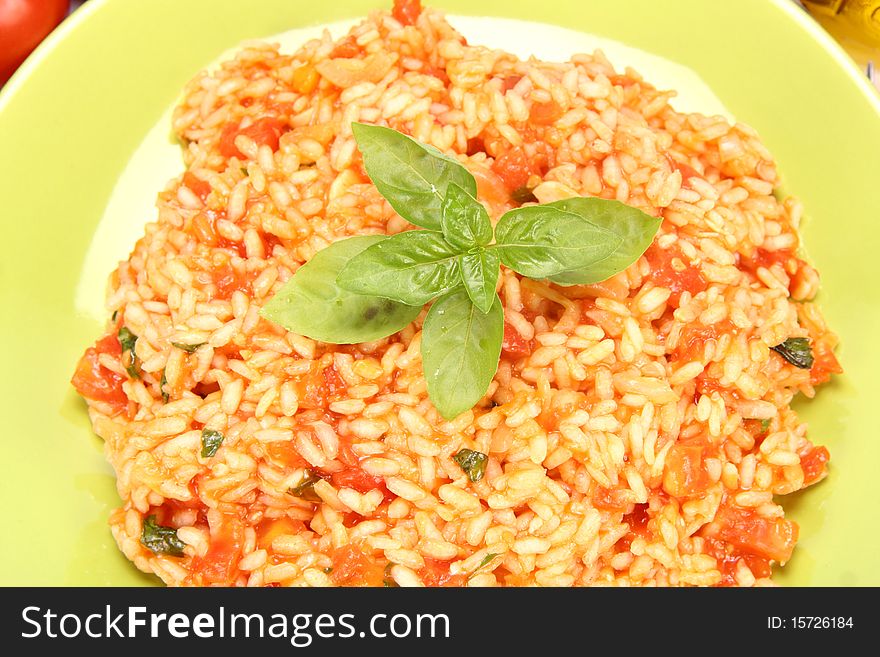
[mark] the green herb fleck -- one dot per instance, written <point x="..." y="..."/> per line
<point x="523" y="195"/>
<point x="127" y="340"/>
<point x="305" y="489"/>
<point x="765" y="425"/>
<point x="188" y="348"/>
<point x="796" y="351"/>
<point x="114" y="316"/>
<point x="486" y="561"/>
<point x="472" y="463"/>
<point x="366" y="288"/>
<point x="388" y="581"/>
<point x="162" y="382"/>
<point x="211" y="441"/>
<point x="161" y="540"/>
<point x="328" y="570"/>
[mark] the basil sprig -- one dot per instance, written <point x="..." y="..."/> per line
<point x="364" y="288"/>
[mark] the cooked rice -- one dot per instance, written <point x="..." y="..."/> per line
<point x="624" y="426"/>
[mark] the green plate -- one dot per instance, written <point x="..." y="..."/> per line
<point x="75" y="112"/>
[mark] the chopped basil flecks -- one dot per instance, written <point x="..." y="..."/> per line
<point x="765" y="425"/>
<point x="162" y="383"/>
<point x="161" y="540"/>
<point x="306" y="488"/>
<point x="796" y="351"/>
<point x="211" y="441"/>
<point x="188" y="348"/>
<point x="127" y="340"/>
<point x="473" y="463"/>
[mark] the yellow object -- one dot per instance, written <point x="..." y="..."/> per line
<point x="854" y="23"/>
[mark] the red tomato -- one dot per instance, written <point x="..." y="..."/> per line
<point x="513" y="168"/>
<point x="265" y="131"/>
<point x="406" y="12"/>
<point x="351" y="567"/>
<point x="96" y="382"/>
<point x="513" y="344"/>
<point x="813" y="464"/>
<point x="671" y="269"/>
<point x="825" y="363"/>
<point x="23" y="24"/>
<point x="769" y="538"/>
<point x="198" y="186"/>
<point x="436" y="573"/>
<point x="610" y="499"/>
<point x="728" y="557"/>
<point x="693" y="339"/>
<point x="346" y="49"/>
<point x="684" y="474"/>
<point x="219" y="565"/>
<point x="354" y="477"/>
<point x="227" y="279"/>
<point x="545" y="113"/>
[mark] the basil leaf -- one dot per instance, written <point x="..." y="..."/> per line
<point x="161" y="540"/>
<point x="306" y="488"/>
<point x="460" y="351"/>
<point x="127" y="340"/>
<point x="796" y="351"/>
<point x="188" y="348"/>
<point x="162" y="382"/>
<point x="541" y="241"/>
<point x="635" y="228"/>
<point x="473" y="464"/>
<point x="211" y="441"/>
<point x="411" y="267"/>
<point x="522" y="195"/>
<point x="412" y="176"/>
<point x="312" y="304"/>
<point x="480" y="272"/>
<point x="464" y="221"/>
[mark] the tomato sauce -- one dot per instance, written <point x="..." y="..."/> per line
<point x="94" y="381"/>
<point x="669" y="268"/>
<point x="346" y="49"/>
<point x="727" y="558"/>
<point x="610" y="499"/>
<point x="269" y="529"/>
<point x="204" y="229"/>
<point x="227" y="279"/>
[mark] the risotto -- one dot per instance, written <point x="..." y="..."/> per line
<point x="637" y="430"/>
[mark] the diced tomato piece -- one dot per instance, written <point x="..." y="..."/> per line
<point x="351" y="567"/>
<point x="271" y="528"/>
<point x="346" y="48"/>
<point x="265" y="132"/>
<point x="508" y="82"/>
<point x="669" y="268"/>
<point x="622" y="80"/>
<point x="354" y="477"/>
<point x="727" y="558"/>
<point x="436" y="573"/>
<point x="513" y="344"/>
<point x="545" y="113"/>
<point x="813" y="464"/>
<point x="284" y="452"/>
<point x="305" y="79"/>
<point x="513" y="168"/>
<point x="684" y="474"/>
<point x="692" y="340"/>
<point x="770" y="538"/>
<point x="320" y="386"/>
<point x="219" y="565"/>
<point x="825" y="363"/>
<point x="198" y="186"/>
<point x="94" y="381"/>
<point x="406" y="12"/>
